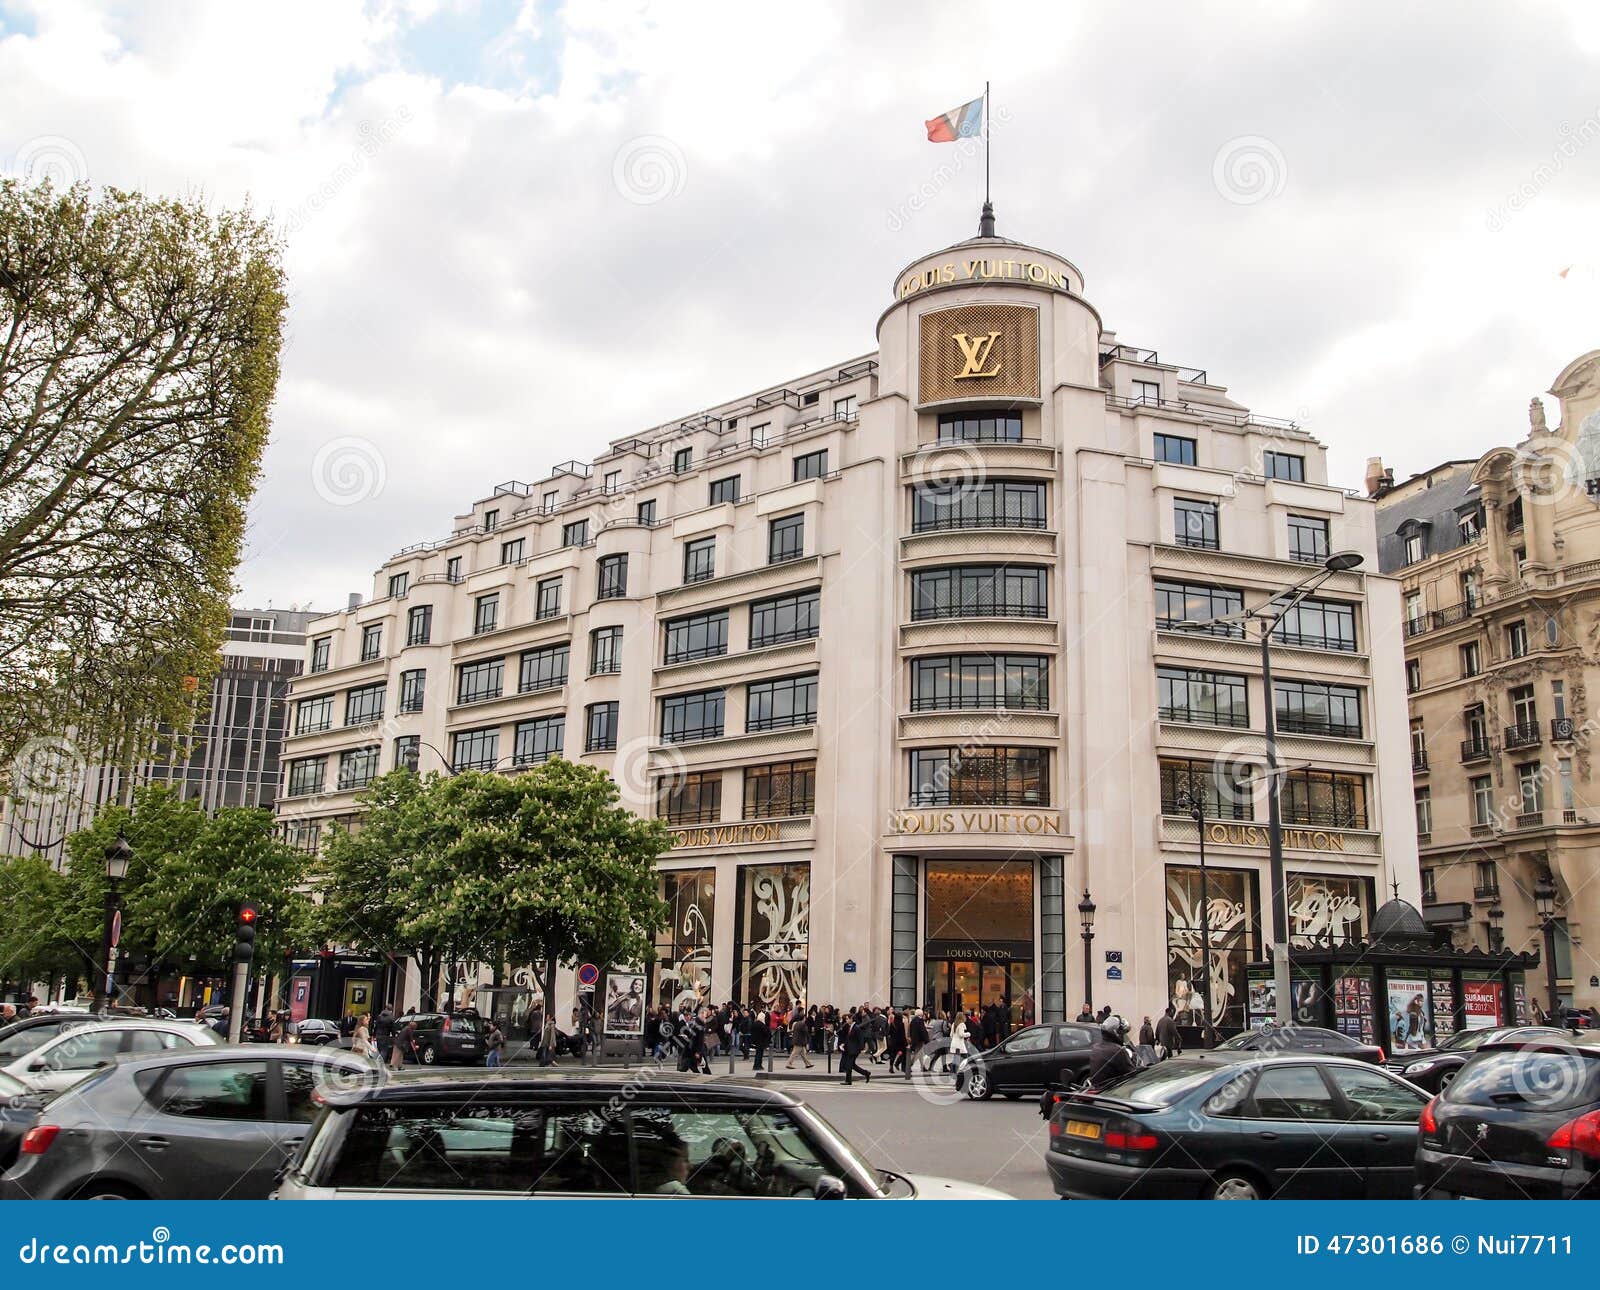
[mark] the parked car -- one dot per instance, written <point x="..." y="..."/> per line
<point x="1035" y="1058"/>
<point x="579" y="1137"/>
<point x="314" y="1031"/>
<point x="209" y="1123"/>
<point x="446" y="1037"/>
<point x="1433" y="1068"/>
<point x="19" y="1106"/>
<point x="1301" y="1039"/>
<point x="1517" y="1122"/>
<point x="60" y="1062"/>
<point x="24" y="1036"/>
<point x="1240" y="1126"/>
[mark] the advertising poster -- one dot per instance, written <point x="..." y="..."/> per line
<point x="299" y="998"/>
<point x="1444" y="1008"/>
<point x="1410" y="1024"/>
<point x="625" y="1003"/>
<point x="1482" y="1002"/>
<point x="1262" y="1001"/>
<point x="1352" y="1004"/>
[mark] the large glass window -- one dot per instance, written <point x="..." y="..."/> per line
<point x="486" y="613"/>
<point x="724" y="490"/>
<point x="613" y="577"/>
<point x="309" y="775"/>
<point x="980" y="427"/>
<point x="1202" y="698"/>
<point x="700" y="559"/>
<point x="786" y="539"/>
<point x="1316" y="708"/>
<point x="407" y="752"/>
<point x="1325" y="908"/>
<point x="358" y="767"/>
<point x="780" y="789"/>
<point x="980" y="777"/>
<point x="1194" y="523"/>
<point x="698" y="636"/>
<point x="1220" y="789"/>
<point x="214" y="1091"/>
<point x="951" y="682"/>
<point x="1232" y="927"/>
<point x="419" y="624"/>
<point x="1308" y="538"/>
<point x="777" y="705"/>
<point x="513" y="551"/>
<point x="785" y="618"/>
<point x="997" y="503"/>
<point x="539" y="739"/>
<point x="692" y="798"/>
<point x="1175" y="449"/>
<point x="811" y="465"/>
<point x="371" y="642"/>
<point x="547" y="598"/>
<point x="683" y="945"/>
<point x="605" y="651"/>
<point x="321" y="653"/>
<point x="575" y="534"/>
<point x="978" y="591"/>
<point x="1324" y="799"/>
<point x="1194" y="607"/>
<point x="475" y="750"/>
<point x="413" y="685"/>
<point x="364" y="705"/>
<point x="543" y="669"/>
<point x="600" y="727"/>
<point x="313" y="715"/>
<point x="1319" y="624"/>
<point x="686" y="717"/>
<point x="773" y="941"/>
<point x="1284" y="465"/>
<point x="478" y="681"/>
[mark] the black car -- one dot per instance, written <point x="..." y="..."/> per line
<point x="19" y="1107"/>
<point x="314" y="1031"/>
<point x="1035" y="1058"/>
<point x="1302" y="1039"/>
<point x="1434" y="1068"/>
<point x="22" y="1037"/>
<point x="1517" y="1122"/>
<point x="443" y="1037"/>
<point x="1239" y="1127"/>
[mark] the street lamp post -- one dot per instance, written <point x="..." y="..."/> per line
<point x="1208" y="1028"/>
<point x="1086" y="917"/>
<point x="1497" y="937"/>
<point x="1544" y="904"/>
<point x="117" y="856"/>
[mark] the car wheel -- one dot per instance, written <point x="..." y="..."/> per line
<point x="978" y="1087"/>
<point x="105" y="1191"/>
<point x="1446" y="1079"/>
<point x="427" y="1056"/>
<point x="1235" y="1186"/>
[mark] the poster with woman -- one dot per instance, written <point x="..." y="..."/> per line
<point x="1410" y="1022"/>
<point x="625" y="1003"/>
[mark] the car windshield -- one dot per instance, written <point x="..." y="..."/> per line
<point x="1539" y="1081"/>
<point x="1467" y="1040"/>
<point x="1243" y="1040"/>
<point x="1162" y="1084"/>
<point x="12" y="1087"/>
<point x="25" y="1041"/>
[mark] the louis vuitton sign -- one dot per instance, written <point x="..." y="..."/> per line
<point x="725" y="835"/>
<point x="1255" y="835"/>
<point x="1015" y="823"/>
<point x="978" y="351"/>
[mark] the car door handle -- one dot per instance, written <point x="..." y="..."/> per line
<point x="1380" y="1137"/>
<point x="291" y="1144"/>
<point x="1267" y="1135"/>
<point x="155" y="1144"/>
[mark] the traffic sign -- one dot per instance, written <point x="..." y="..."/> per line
<point x="588" y="974"/>
<point x="116" y="928"/>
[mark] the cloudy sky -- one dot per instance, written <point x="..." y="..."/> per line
<point x="517" y="231"/>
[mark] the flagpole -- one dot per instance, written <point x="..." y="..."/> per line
<point x="986" y="143"/>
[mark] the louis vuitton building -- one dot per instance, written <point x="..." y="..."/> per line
<point x="913" y="653"/>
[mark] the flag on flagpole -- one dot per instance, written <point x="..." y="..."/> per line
<point x="964" y="122"/>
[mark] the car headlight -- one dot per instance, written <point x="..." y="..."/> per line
<point x="1420" y="1068"/>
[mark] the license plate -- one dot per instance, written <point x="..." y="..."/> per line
<point x="1082" y="1129"/>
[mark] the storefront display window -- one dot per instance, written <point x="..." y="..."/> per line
<point x="1326" y="909"/>
<point x="978" y="952"/>
<point x="683" y="946"/>
<point x="1231" y="924"/>
<point x="774" y="934"/>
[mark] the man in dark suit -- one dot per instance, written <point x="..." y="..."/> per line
<point x="852" y="1038"/>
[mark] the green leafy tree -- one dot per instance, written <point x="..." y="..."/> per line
<point x="139" y="343"/>
<point x="33" y="944"/>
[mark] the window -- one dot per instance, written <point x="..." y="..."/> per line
<point x="1194" y="606"/>
<point x="1524" y="707"/>
<point x="313" y="715"/>
<point x="357" y="768"/>
<point x="1482" y="787"/>
<point x="1419" y="744"/>
<point x="1530" y="788"/>
<point x="681" y="1147"/>
<point x="1308" y="539"/>
<point x="1147" y="392"/>
<point x="1317" y="708"/>
<point x="951" y="682"/>
<point x="1414" y="675"/>
<point x="785" y="618"/>
<point x="1291" y="1093"/>
<point x="1319" y="624"/>
<point x="1175" y="449"/>
<point x="1514" y="516"/>
<point x="613" y="577"/>
<point x="512" y="552"/>
<point x="364" y="705"/>
<point x="452" y="569"/>
<point x="1415" y="619"/>
<point x="600" y="727"/>
<point x="412" y="686"/>
<point x="980" y="427"/>
<point x="786" y="539"/>
<point x="811" y="465"/>
<point x="419" y="625"/>
<point x="810" y="400"/>
<point x="1202" y="698"/>
<point x="1424" y="814"/>
<point x="1564" y="772"/>
<point x="686" y="717"/>
<point x="214" y="1091"/>
<point x="1324" y="798"/>
<point x="980" y="777"/>
<point x="371" y="642"/>
<point x="778" y="705"/>
<point x="1414" y="548"/>
<point x="475" y="750"/>
<point x="993" y="504"/>
<point x="575" y="533"/>
<point x="783" y="788"/>
<point x="543" y="669"/>
<point x="303" y="836"/>
<point x="758" y="434"/>
<point x="1221" y="789"/>
<point x="1471" y="659"/>
<point x="551" y="500"/>
<point x="486" y="613"/>
<point x="1477" y="724"/>
<point x="699" y="559"/>
<point x="693" y="798"/>
<point x="539" y="740"/>
<point x="321" y="653"/>
<point x="398" y="584"/>
<point x="844" y="409"/>
<point x="605" y="651"/>
<point x="1195" y="523"/>
<point x="1469" y="526"/>
<point x="682" y="460"/>
<point x="476" y="682"/>
<point x="491" y="521"/>
<point x="1469" y="588"/>
<point x="407" y="752"/>
<point x="547" y="598"/>
<point x="724" y="490"/>
<point x="646" y="514"/>
<point x="698" y="636"/>
<point x="1558" y="697"/>
<point x="978" y="591"/>
<point x="1284" y="465"/>
<point x="612" y="482"/>
<point x="309" y="775"/>
<point x="1517" y="640"/>
<point x="1430" y="890"/>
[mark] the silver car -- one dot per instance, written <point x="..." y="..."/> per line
<point x="206" y="1123"/>
<point x="61" y="1062"/>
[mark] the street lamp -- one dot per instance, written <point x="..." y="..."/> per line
<point x="1208" y="1029"/>
<point x="1544" y="904"/>
<point x="1497" y="937"/>
<point x="1267" y="618"/>
<point x="117" y="856"/>
<point x="1086" y="917"/>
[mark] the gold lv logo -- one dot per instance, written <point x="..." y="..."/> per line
<point x="976" y="350"/>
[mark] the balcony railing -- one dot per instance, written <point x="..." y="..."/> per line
<point x="1200" y="717"/>
<point x="1525" y="734"/>
<point x="990" y="609"/>
<point x="1437" y="618"/>
<point x="1323" y="818"/>
<point x="1296" y="724"/>
<point x="694" y="815"/>
<point x="1477" y="749"/>
<point x="691" y="734"/>
<point x="1530" y="819"/>
<point x="1486" y="891"/>
<point x="785" y="721"/>
<point x="950" y="523"/>
<point x="1233" y="631"/>
<point x="1198" y="541"/>
<point x="954" y="796"/>
<point x="967" y="702"/>
<point x="1561" y="728"/>
<point x="1419" y="759"/>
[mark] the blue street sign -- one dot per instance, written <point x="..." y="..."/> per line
<point x="1113" y="974"/>
<point x="849" y="965"/>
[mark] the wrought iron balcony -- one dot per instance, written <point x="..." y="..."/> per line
<point x="1478" y="749"/>
<point x="1525" y="734"/>
<point x="1561" y="728"/>
<point x="1419" y="759"/>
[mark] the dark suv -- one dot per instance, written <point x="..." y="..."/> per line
<point x="444" y="1037"/>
